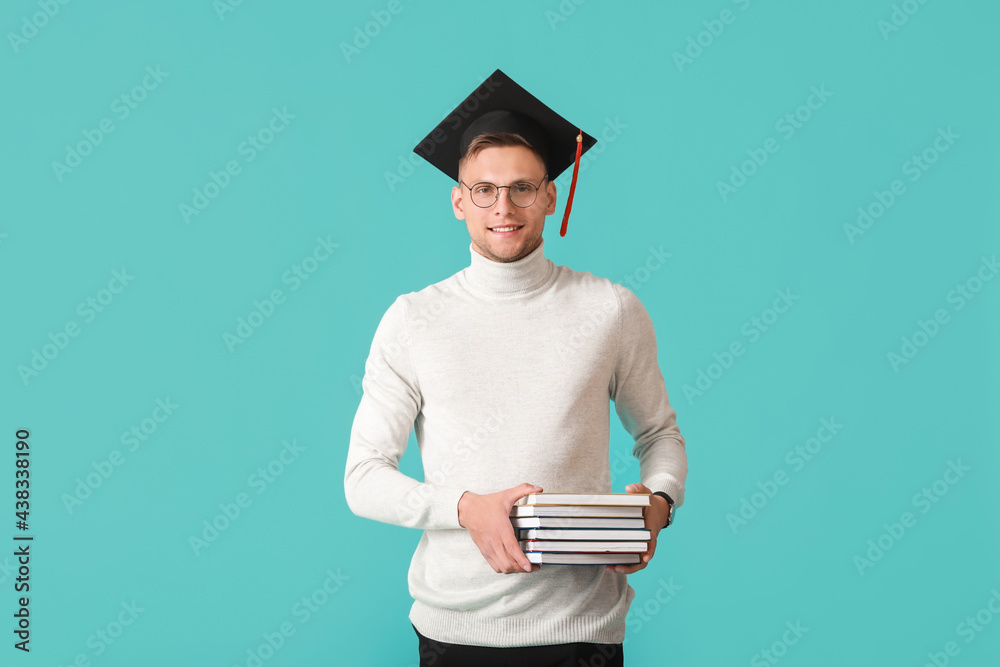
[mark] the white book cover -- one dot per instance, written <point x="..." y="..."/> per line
<point x="575" y="510"/>
<point x="545" y="557"/>
<point x="577" y="522"/>
<point x="583" y="534"/>
<point x="581" y="545"/>
<point x="563" y="498"/>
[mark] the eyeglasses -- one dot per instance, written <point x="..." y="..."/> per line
<point x="522" y="194"/>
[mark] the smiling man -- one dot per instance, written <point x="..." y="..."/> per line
<point x="505" y="372"/>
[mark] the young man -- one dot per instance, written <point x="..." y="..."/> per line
<point x="505" y="371"/>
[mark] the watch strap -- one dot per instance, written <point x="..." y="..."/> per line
<point x="670" y="514"/>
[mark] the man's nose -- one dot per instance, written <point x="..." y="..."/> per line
<point x="504" y="206"/>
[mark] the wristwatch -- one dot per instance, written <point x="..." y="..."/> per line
<point x="670" y="501"/>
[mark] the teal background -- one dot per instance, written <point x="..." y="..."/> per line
<point x="356" y="117"/>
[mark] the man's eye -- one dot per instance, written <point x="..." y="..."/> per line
<point x="523" y="188"/>
<point x="484" y="190"/>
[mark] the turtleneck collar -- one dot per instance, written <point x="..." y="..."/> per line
<point x="508" y="279"/>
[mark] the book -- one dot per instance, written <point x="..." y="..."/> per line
<point x="543" y="557"/>
<point x="575" y="510"/>
<point x="583" y="534"/>
<point x="577" y="522"/>
<point x="581" y="545"/>
<point x="561" y="498"/>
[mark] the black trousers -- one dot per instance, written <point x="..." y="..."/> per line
<point x="578" y="654"/>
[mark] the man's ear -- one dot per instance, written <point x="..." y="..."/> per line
<point x="550" y="190"/>
<point x="457" y="202"/>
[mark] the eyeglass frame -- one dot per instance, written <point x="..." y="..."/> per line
<point x="501" y="187"/>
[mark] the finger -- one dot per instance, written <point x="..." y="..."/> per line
<point x="650" y="549"/>
<point x="515" y="553"/>
<point x="492" y="564"/>
<point x="522" y="490"/>
<point x="498" y="543"/>
<point x="511" y="496"/>
<point x="505" y="565"/>
<point x="627" y="569"/>
<point x="521" y="559"/>
<point x="498" y="555"/>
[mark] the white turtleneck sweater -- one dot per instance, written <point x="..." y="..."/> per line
<point x="505" y="372"/>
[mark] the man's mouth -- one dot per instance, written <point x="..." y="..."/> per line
<point x="508" y="228"/>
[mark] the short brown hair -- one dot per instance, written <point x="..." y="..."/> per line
<point x="493" y="140"/>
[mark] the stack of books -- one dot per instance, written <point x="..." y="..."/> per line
<point x="581" y="528"/>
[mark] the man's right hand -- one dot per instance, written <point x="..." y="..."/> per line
<point x="487" y="518"/>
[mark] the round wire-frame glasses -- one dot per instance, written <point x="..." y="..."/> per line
<point x="522" y="194"/>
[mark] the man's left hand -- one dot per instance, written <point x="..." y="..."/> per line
<point x="655" y="516"/>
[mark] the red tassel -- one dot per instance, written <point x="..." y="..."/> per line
<point x="572" y="185"/>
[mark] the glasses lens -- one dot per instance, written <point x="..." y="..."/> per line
<point x="523" y="194"/>
<point x="484" y="194"/>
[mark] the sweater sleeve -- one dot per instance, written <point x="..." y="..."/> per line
<point x="640" y="397"/>
<point x="391" y="401"/>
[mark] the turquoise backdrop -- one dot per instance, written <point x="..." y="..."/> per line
<point x="209" y="205"/>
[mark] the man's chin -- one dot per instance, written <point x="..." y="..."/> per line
<point x="508" y="249"/>
<point x="501" y="252"/>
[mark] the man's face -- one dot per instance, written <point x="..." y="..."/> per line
<point x="504" y="165"/>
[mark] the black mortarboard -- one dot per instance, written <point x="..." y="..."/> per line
<point x="500" y="105"/>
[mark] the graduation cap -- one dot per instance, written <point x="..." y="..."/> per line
<point x="501" y="105"/>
